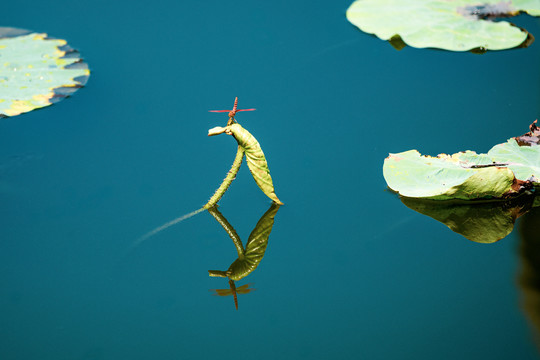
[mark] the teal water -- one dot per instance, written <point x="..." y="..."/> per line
<point x="349" y="271"/>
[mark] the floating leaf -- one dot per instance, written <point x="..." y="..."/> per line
<point x="524" y="161"/>
<point x="457" y="25"/>
<point x="36" y="71"/>
<point x="255" y="159"/>
<point x="444" y="177"/>
<point x="482" y="222"/>
<point x="507" y="169"/>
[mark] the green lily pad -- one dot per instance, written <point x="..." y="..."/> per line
<point x="456" y="25"/>
<point x="507" y="169"/>
<point x="36" y="71"/>
<point x="524" y="161"/>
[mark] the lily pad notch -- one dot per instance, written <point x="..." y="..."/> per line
<point x="455" y="25"/>
<point x="36" y="71"/>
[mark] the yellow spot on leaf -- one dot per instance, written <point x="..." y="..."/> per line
<point x="19" y="106"/>
<point x="43" y="98"/>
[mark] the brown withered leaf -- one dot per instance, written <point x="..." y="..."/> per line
<point x="530" y="138"/>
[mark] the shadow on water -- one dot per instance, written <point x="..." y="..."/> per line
<point x="249" y="257"/>
<point x="529" y="279"/>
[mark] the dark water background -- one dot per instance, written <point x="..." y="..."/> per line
<point x="349" y="270"/>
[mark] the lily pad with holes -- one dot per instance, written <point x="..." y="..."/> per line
<point x="456" y="25"/>
<point x="36" y="71"/>
<point x="507" y="170"/>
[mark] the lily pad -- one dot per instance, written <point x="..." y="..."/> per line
<point x="36" y="71"/>
<point x="456" y="25"/>
<point x="506" y="170"/>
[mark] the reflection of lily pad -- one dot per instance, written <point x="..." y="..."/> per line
<point x="457" y="25"/>
<point x="480" y="222"/>
<point x="507" y="169"/>
<point x="36" y="71"/>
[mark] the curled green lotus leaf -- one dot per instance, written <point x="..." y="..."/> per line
<point x="507" y="169"/>
<point x="256" y="160"/>
<point x="36" y="71"/>
<point x="456" y="25"/>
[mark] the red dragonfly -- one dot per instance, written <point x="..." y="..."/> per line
<point x="232" y="112"/>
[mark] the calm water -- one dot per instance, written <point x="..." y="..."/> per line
<point x="349" y="270"/>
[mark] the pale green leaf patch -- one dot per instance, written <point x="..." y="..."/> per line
<point x="524" y="161"/>
<point x="506" y="170"/>
<point x="36" y="71"/>
<point x="456" y="25"/>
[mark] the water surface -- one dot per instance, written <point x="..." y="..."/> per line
<point x="349" y="271"/>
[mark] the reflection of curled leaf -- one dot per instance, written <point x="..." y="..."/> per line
<point x="255" y="159"/>
<point x="482" y="222"/>
<point x="36" y="71"/>
<point x="255" y="247"/>
<point x="250" y="256"/>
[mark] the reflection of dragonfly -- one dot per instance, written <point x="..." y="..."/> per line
<point x="248" y="257"/>
<point x="244" y="289"/>
<point x="232" y="112"/>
